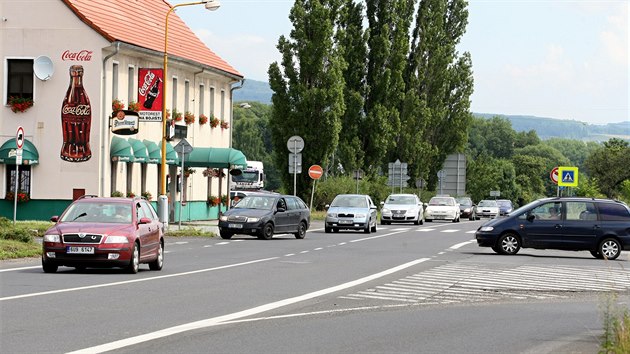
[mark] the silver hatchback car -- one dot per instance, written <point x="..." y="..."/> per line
<point x="351" y="212"/>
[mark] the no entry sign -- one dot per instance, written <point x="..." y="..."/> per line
<point x="315" y="171"/>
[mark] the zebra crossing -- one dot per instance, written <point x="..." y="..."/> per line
<point x="469" y="282"/>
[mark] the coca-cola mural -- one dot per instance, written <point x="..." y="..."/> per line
<point x="150" y="94"/>
<point x="76" y="119"/>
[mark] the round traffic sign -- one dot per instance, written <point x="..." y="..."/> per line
<point x="295" y="144"/>
<point x="315" y="171"/>
<point x="19" y="137"/>
<point x="554" y="175"/>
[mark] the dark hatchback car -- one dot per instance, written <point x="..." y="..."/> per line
<point x="467" y="209"/>
<point x="105" y="232"/>
<point x="600" y="226"/>
<point x="505" y="206"/>
<point x="266" y="214"/>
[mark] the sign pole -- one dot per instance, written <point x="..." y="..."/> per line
<point x="181" y="191"/>
<point x="312" y="195"/>
<point x="15" y="193"/>
<point x="19" y="143"/>
<point x="294" y="170"/>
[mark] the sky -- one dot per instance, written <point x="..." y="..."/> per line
<point x="563" y="59"/>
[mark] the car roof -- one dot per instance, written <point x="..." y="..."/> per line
<point x="582" y="199"/>
<point x="97" y="199"/>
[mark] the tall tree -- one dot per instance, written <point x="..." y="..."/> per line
<point x="351" y="39"/>
<point x="441" y="80"/>
<point x="308" y="90"/>
<point x="389" y="22"/>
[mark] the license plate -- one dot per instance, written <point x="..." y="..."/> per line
<point x="235" y="226"/>
<point x="79" y="250"/>
<point x="345" y="221"/>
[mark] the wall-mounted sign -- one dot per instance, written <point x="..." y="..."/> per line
<point x="82" y="55"/>
<point x="150" y="94"/>
<point x="125" y="122"/>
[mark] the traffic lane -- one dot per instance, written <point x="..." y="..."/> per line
<point x="206" y="294"/>
<point x="181" y="255"/>
<point x="540" y="327"/>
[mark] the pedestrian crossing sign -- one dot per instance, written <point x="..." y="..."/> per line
<point x="567" y="176"/>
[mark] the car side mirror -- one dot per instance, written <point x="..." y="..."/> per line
<point x="382" y="203"/>
<point x="281" y="209"/>
<point x="144" y="221"/>
<point x="531" y="217"/>
<point x="54" y="218"/>
<point x="327" y="206"/>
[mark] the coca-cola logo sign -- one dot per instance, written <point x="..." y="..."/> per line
<point x="82" y="55"/>
<point x="79" y="110"/>
<point x="148" y="79"/>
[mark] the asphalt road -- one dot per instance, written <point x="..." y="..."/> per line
<point x="406" y="288"/>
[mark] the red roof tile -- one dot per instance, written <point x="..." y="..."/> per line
<point x="141" y="23"/>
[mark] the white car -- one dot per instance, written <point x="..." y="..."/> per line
<point x="487" y="208"/>
<point x="402" y="208"/>
<point x="442" y="208"/>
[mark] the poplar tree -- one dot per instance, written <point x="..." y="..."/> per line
<point x="351" y="39"/>
<point x="389" y="22"/>
<point x="440" y="85"/>
<point x="308" y="90"/>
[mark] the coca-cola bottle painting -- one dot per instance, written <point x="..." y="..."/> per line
<point x="152" y="94"/>
<point x="76" y="119"/>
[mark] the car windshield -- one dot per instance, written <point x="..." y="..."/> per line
<point x="488" y="203"/>
<point x="504" y="203"/>
<point x="99" y="212"/>
<point x="349" y="201"/>
<point x="256" y="202"/>
<point x="464" y="202"/>
<point x="441" y="201"/>
<point x="401" y="199"/>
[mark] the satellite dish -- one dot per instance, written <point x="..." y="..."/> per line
<point x="43" y="67"/>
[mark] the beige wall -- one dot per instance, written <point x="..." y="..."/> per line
<point x="48" y="27"/>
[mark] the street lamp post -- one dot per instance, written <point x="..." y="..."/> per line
<point x="163" y="199"/>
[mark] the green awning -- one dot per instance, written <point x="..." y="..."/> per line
<point x="153" y="151"/>
<point x="120" y="150"/>
<point x="171" y="155"/>
<point x="216" y="158"/>
<point x="140" y="153"/>
<point x="8" y="151"/>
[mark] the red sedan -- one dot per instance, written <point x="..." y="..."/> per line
<point x="105" y="232"/>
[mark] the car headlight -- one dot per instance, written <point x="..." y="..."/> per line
<point x="412" y="212"/>
<point x="253" y="219"/>
<point x="359" y="216"/>
<point x="331" y="215"/>
<point x="116" y="239"/>
<point x="52" y="238"/>
<point x="223" y="218"/>
<point x="385" y="211"/>
<point x="486" y="228"/>
<point x="467" y="210"/>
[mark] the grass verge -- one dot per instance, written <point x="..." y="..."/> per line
<point x="616" y="320"/>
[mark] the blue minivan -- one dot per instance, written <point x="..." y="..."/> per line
<point x="600" y="226"/>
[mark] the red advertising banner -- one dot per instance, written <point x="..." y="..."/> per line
<point x="150" y="94"/>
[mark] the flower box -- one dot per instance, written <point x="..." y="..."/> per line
<point x="20" y="104"/>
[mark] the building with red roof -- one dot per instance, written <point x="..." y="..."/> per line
<point x="85" y="81"/>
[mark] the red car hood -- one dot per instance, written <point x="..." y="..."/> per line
<point x="95" y="228"/>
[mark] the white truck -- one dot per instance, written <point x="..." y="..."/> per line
<point x="252" y="178"/>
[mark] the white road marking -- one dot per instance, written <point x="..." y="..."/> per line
<point x="210" y="322"/>
<point x="425" y="230"/>
<point x="21" y="268"/>
<point x="289" y="255"/>
<point x="135" y="280"/>
<point x="449" y="230"/>
<point x="318" y="249"/>
<point x="471" y="232"/>
<point x="180" y="242"/>
<point x="400" y="229"/>
<point x="304" y="252"/>
<point x="378" y="236"/>
<point x="459" y="245"/>
<point x="222" y="243"/>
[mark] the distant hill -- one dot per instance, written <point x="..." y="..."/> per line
<point x="259" y="91"/>
<point x="256" y="91"/>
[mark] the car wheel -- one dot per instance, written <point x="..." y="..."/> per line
<point x="597" y="255"/>
<point x="428" y="220"/>
<point x="471" y="218"/>
<point x="367" y="228"/>
<point x="496" y="249"/>
<point x="301" y="231"/>
<point x="374" y="227"/>
<point x="134" y="262"/>
<point x="327" y="230"/>
<point x="335" y="230"/>
<point x="610" y="249"/>
<point x="509" y="244"/>
<point x="80" y="268"/>
<point x="158" y="263"/>
<point x="383" y="222"/>
<point x="49" y="267"/>
<point x="267" y="231"/>
<point x="225" y="235"/>
<point x="477" y="218"/>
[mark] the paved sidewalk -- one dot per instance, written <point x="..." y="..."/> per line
<point x="205" y="225"/>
